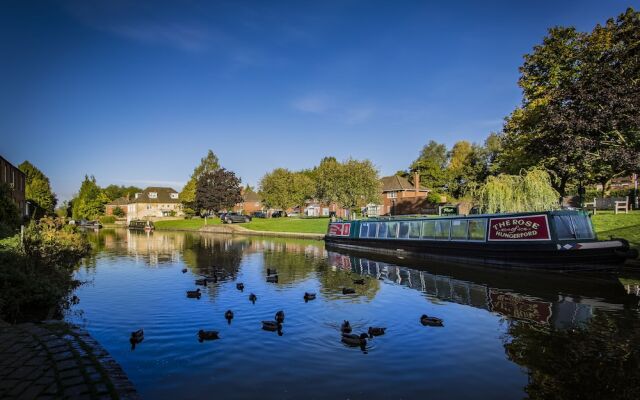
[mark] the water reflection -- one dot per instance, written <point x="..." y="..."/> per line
<point x="505" y="334"/>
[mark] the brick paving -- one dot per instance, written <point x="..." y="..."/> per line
<point x="55" y="360"/>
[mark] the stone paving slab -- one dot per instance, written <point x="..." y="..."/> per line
<point x="56" y="360"/>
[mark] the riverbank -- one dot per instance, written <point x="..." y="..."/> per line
<point x="306" y="228"/>
<point x="57" y="360"/>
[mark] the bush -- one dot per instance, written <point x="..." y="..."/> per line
<point x="118" y="212"/>
<point x="36" y="275"/>
<point x="434" y="198"/>
<point x="108" y="219"/>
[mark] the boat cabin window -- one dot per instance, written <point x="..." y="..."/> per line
<point x="392" y="230"/>
<point x="382" y="230"/>
<point x="414" y="230"/>
<point x="364" y="229"/>
<point x="573" y="227"/>
<point x="428" y="229"/>
<point x="459" y="229"/>
<point x="373" y="229"/>
<point x="404" y="230"/>
<point x="477" y="229"/>
<point x="442" y="229"/>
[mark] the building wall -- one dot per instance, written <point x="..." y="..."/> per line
<point x="151" y="210"/>
<point x="108" y="209"/>
<point x="16" y="179"/>
<point x="248" y="207"/>
<point x="406" y="202"/>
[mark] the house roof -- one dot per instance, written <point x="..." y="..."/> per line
<point x="120" y="201"/>
<point x="397" y="183"/>
<point x="164" y="195"/>
<point x="251" y="197"/>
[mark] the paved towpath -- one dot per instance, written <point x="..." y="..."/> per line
<point x="57" y="361"/>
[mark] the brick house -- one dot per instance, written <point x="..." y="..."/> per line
<point x="154" y="203"/>
<point x="251" y="202"/>
<point x="17" y="182"/>
<point x="399" y="196"/>
<point x="122" y="203"/>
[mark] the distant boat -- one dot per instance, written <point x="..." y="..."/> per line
<point x="562" y="240"/>
<point x="89" y="224"/>
<point x="141" y="225"/>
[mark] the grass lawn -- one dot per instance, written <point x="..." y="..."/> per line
<point x="298" y="225"/>
<point x="186" y="224"/>
<point x="626" y="226"/>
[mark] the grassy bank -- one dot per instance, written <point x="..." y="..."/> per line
<point x="626" y="226"/>
<point x="296" y="225"/>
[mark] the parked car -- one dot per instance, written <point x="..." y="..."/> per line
<point x="221" y="215"/>
<point x="230" y="218"/>
<point x="278" y="214"/>
<point x="259" y="214"/>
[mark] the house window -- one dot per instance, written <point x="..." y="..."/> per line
<point x="153" y="195"/>
<point x="392" y="195"/>
<point x="174" y="195"/>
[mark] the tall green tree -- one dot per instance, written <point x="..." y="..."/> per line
<point x="9" y="213"/>
<point x="90" y="201"/>
<point x="115" y="192"/>
<point x="209" y="163"/>
<point x="457" y="170"/>
<point x="359" y="184"/>
<point x="431" y="165"/>
<point x="217" y="190"/>
<point x="283" y="189"/>
<point x="328" y="176"/>
<point x="38" y="190"/>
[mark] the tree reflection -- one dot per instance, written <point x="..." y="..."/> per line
<point x="294" y="261"/>
<point x="204" y="254"/>
<point x="599" y="360"/>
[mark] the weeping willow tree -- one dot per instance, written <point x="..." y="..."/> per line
<point x="529" y="191"/>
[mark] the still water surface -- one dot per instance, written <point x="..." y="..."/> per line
<point x="505" y="335"/>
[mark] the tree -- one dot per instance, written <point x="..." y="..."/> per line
<point x="359" y="184"/>
<point x="529" y="191"/>
<point x="9" y="213"/>
<point x="118" y="212"/>
<point x="216" y="190"/>
<point x="457" y="170"/>
<point x="328" y="180"/>
<point x="431" y="165"/>
<point x="113" y="192"/>
<point x="38" y="190"/>
<point x="207" y="164"/>
<point x="283" y="189"/>
<point x="89" y="204"/>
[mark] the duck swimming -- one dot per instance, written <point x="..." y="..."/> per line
<point x="430" y="321"/>
<point x="309" y="296"/>
<point x="374" y="331"/>
<point x="240" y="286"/>
<point x="348" y="290"/>
<point x="345" y="327"/>
<point x="228" y="315"/>
<point x="207" y="335"/>
<point x="272" y="278"/>
<point x="271" y="326"/>
<point x="194" y="294"/>
<point x="253" y="298"/>
<point x="351" y="339"/>
<point x="184" y="270"/>
<point x="136" y="338"/>
<point x="271" y="271"/>
<point x="280" y="316"/>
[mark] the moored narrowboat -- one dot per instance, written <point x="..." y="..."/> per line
<point x="560" y="240"/>
<point x="141" y="225"/>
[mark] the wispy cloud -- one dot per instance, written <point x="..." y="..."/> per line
<point x="359" y="115"/>
<point x="183" y="37"/>
<point x="315" y="104"/>
<point x="334" y="107"/>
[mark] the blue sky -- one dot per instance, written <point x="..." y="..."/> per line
<point x="135" y="92"/>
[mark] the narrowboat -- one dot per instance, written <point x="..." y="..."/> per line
<point x="562" y="240"/>
<point x="141" y="225"/>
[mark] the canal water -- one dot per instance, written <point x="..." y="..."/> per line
<point x="506" y="335"/>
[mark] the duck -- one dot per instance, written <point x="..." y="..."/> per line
<point x="240" y="286"/>
<point x="280" y="316"/>
<point x="271" y="326"/>
<point x="351" y="339"/>
<point x="358" y="281"/>
<point x="228" y="315"/>
<point x="348" y="290"/>
<point x="253" y="298"/>
<point x="375" y="331"/>
<point x="184" y="270"/>
<point x="309" y="296"/>
<point x="201" y="282"/>
<point x="194" y="294"/>
<point x="272" y="278"/>
<point x="345" y="327"/>
<point x="430" y="321"/>
<point x="271" y="271"/>
<point x="207" y="335"/>
<point x="137" y="335"/>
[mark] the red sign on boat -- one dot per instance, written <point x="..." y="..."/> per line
<point x="339" y="229"/>
<point x="526" y="227"/>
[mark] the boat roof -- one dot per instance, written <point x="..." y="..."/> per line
<point x="499" y="215"/>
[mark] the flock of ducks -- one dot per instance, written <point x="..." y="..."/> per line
<point x="275" y="325"/>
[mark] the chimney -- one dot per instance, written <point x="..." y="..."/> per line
<point x="416" y="182"/>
